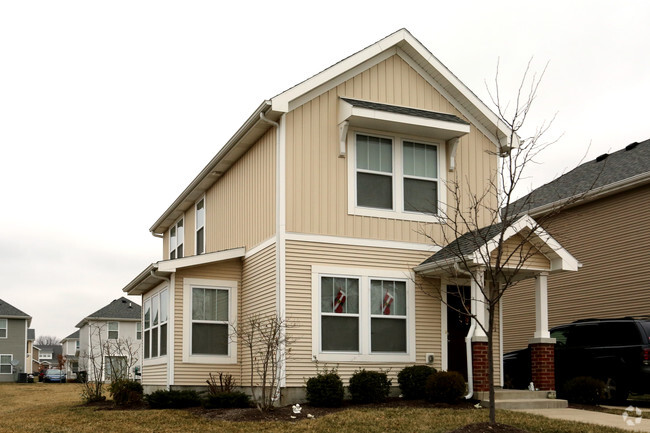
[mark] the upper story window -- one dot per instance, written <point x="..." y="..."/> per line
<point x="3" y="328"/>
<point x="176" y="240"/>
<point x="76" y="345"/>
<point x="395" y="177"/>
<point x="113" y="330"/>
<point x="138" y="331"/>
<point x="45" y="355"/>
<point x="200" y="226"/>
<point x="156" y="317"/>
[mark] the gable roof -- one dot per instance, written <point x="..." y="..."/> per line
<point x="607" y="174"/>
<point x="465" y="244"/>
<point x="9" y="311"/>
<point x="118" y="309"/>
<point x="400" y="43"/>
<point x="73" y="336"/>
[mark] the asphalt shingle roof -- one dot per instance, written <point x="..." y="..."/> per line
<point x="73" y="336"/>
<point x="405" y="110"/>
<point x="121" y="308"/>
<point x="8" y="310"/>
<point x="465" y="244"/>
<point x="632" y="161"/>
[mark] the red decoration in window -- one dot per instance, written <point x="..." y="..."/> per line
<point x="339" y="300"/>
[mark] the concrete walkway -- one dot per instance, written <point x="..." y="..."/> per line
<point x="630" y="423"/>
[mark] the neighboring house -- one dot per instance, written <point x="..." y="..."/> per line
<point x="110" y="341"/>
<point x="14" y="325"/>
<point x="607" y="226"/>
<point x="32" y="352"/>
<point x="71" y="352"/>
<point x="48" y="355"/>
<point x="321" y="210"/>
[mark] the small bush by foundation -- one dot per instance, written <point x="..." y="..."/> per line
<point x="325" y="389"/>
<point x="412" y="381"/>
<point x="227" y="400"/>
<point x="126" y="392"/>
<point x="369" y="386"/>
<point x="163" y="399"/>
<point x="445" y="387"/>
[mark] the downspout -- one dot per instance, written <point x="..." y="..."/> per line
<point x="468" y="341"/>
<point x="170" y="358"/>
<point x="158" y="235"/>
<point x="280" y="231"/>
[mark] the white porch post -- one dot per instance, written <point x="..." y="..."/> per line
<point x="478" y="301"/>
<point x="541" y="306"/>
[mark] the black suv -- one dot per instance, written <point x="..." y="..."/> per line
<point x="614" y="350"/>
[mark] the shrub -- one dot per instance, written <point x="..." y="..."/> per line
<point x="445" y="387"/>
<point x="125" y="392"/>
<point x="226" y="400"/>
<point x="325" y="390"/>
<point x="226" y="383"/>
<point x="369" y="386"/>
<point x="412" y="381"/>
<point x="163" y="399"/>
<point x="584" y="390"/>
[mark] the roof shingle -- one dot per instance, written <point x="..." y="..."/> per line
<point x="8" y="310"/>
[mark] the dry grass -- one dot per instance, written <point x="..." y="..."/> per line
<point x="44" y="408"/>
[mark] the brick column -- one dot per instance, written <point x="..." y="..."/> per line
<point x="480" y="366"/>
<point x="542" y="364"/>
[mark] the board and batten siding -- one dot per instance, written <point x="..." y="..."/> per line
<point x="300" y="258"/>
<point x="610" y="237"/>
<point x="317" y="184"/>
<point x="194" y="373"/>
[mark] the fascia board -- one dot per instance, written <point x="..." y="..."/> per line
<point x="202" y="259"/>
<point x="140" y="278"/>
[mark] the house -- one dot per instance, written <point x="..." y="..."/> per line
<point x="48" y="355"/>
<point x="14" y="359"/>
<point x="110" y="341"/>
<point x="32" y="352"/>
<point x="604" y="222"/>
<point x="71" y="353"/>
<point x="321" y="211"/>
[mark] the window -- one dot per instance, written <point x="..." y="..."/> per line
<point x="113" y="330"/>
<point x="115" y="367"/>
<point x="76" y="345"/>
<point x="45" y="355"/>
<point x="200" y="226"/>
<point x="176" y="239"/>
<point x="156" y="316"/>
<point x="138" y="331"/>
<point x="3" y="328"/>
<point x="395" y="177"/>
<point x="362" y="314"/>
<point x="210" y="306"/>
<point x="5" y="364"/>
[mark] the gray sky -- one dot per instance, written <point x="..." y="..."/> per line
<point x="109" y="109"/>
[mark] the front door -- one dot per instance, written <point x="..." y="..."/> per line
<point x="458" y="323"/>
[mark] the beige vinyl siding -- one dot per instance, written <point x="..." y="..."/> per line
<point x="154" y="374"/>
<point x="240" y="206"/>
<point x="317" y="184"/>
<point x="610" y="238"/>
<point x="258" y="295"/>
<point x="193" y="373"/>
<point x="300" y="258"/>
<point x="516" y="251"/>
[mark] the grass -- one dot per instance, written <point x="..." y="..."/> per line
<point x="45" y="408"/>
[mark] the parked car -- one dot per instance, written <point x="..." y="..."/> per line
<point x="54" y="375"/>
<point x="617" y="351"/>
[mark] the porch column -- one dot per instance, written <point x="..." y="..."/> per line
<point x="542" y="346"/>
<point x="479" y="338"/>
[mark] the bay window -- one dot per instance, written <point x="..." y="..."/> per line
<point x="156" y="316"/>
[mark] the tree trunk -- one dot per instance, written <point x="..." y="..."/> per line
<point x="490" y="337"/>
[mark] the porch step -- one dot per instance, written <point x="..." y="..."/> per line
<point x="519" y="399"/>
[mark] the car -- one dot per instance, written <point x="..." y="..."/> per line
<point x="617" y="351"/>
<point x="54" y="375"/>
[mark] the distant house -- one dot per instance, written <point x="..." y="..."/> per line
<point x="32" y="352"/>
<point x="14" y="325"/>
<point x="606" y="225"/>
<point x="71" y="352"/>
<point x="48" y="355"/>
<point x="110" y="341"/>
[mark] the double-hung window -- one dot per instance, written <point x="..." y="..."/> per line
<point x="156" y="316"/>
<point x="420" y="164"/>
<point x="200" y="226"/>
<point x="113" y="330"/>
<point x="374" y="172"/>
<point x="5" y="364"/>
<point x="176" y="240"/>
<point x="3" y="328"/>
<point x="362" y="314"/>
<point x="138" y="331"/>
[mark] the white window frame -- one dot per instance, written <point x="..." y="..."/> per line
<point x="11" y="358"/>
<point x="5" y="327"/>
<point x="398" y="211"/>
<point x="197" y="227"/>
<point x="157" y="292"/>
<point x="46" y="355"/>
<point x="364" y="275"/>
<point x="109" y="330"/>
<point x="177" y="243"/>
<point x="188" y="285"/>
<point x="138" y="331"/>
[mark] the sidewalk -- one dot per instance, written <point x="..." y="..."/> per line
<point x="631" y="423"/>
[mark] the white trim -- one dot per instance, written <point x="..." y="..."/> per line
<point x="444" y="332"/>
<point x="11" y="367"/>
<point x="196" y="224"/>
<point x="261" y="246"/>
<point x="6" y="328"/>
<point x="174" y="265"/>
<point x="362" y="242"/>
<point x="281" y="233"/>
<point x="176" y="245"/>
<point x="231" y="286"/>
<point x="171" y="324"/>
<point x="364" y="275"/>
<point x="108" y="329"/>
<point x="501" y="373"/>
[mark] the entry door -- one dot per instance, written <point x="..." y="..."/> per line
<point x="458" y="325"/>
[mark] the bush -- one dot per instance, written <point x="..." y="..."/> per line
<point x="126" y="392"/>
<point x="325" y="390"/>
<point x="163" y="399"/>
<point x="445" y="387"/>
<point x="369" y="386"/>
<point x="412" y="381"/>
<point x="227" y="400"/>
<point x="584" y="390"/>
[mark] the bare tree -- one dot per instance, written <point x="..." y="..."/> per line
<point x="47" y="340"/>
<point x="265" y="342"/>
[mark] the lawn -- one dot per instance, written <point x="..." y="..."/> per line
<point x="44" y="408"/>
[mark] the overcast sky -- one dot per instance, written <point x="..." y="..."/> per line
<point x="109" y="109"/>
